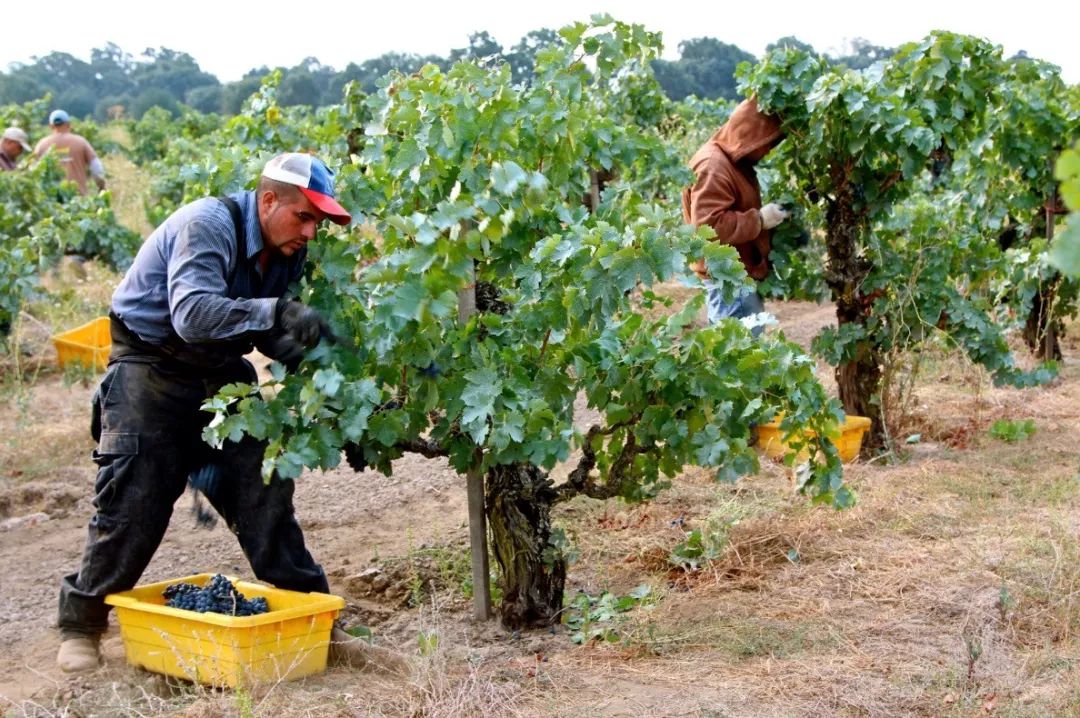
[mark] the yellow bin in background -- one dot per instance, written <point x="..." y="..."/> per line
<point x="88" y="345"/>
<point x="289" y="641"/>
<point x="770" y="439"/>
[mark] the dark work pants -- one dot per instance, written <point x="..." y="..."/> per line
<point x="151" y="429"/>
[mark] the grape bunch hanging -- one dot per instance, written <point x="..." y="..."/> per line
<point x="217" y="596"/>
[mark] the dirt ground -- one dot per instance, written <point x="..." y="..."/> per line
<point x="951" y="589"/>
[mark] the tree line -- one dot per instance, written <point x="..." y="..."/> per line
<point x="116" y="84"/>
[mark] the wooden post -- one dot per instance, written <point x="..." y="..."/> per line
<point x="1048" y="209"/>
<point x="474" y="479"/>
<point x="1048" y="349"/>
<point x="594" y="191"/>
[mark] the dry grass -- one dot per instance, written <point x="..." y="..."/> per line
<point x="128" y="185"/>
<point x="37" y="413"/>
<point x="951" y="589"/>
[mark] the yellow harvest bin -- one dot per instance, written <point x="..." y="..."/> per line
<point x="88" y="345"/>
<point x="770" y="439"/>
<point x="289" y="641"/>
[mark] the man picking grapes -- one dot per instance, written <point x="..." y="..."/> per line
<point x="208" y="285"/>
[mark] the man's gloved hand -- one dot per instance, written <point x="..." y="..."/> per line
<point x="281" y="346"/>
<point x="772" y="214"/>
<point x="301" y="321"/>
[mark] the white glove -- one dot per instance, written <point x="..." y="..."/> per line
<point x="772" y="214"/>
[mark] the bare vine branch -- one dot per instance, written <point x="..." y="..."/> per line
<point x="424" y="447"/>
<point x="582" y="480"/>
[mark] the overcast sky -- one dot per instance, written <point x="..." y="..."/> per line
<point x="229" y="38"/>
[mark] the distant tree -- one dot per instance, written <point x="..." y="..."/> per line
<point x="105" y="109"/>
<point x="368" y="72"/>
<point x="793" y="43"/>
<point x="862" y="54"/>
<point x="351" y="73"/>
<point x="63" y="71"/>
<point x="481" y="45"/>
<point x="522" y="56"/>
<point x="711" y="64"/>
<point x="112" y="68"/>
<point x="706" y="68"/>
<point x="154" y="97"/>
<point x="309" y="83"/>
<point x="298" y="87"/>
<point x="205" y="99"/>
<point x="673" y="78"/>
<point x="171" y="71"/>
<point x="77" y="101"/>
<point x="234" y="94"/>
<point x="19" y="88"/>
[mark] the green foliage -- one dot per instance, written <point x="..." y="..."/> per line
<point x="29" y="116"/>
<point x="885" y="165"/>
<point x="360" y="631"/>
<point x="596" y="618"/>
<point x="700" y="547"/>
<point x="1012" y="430"/>
<point x="42" y="217"/>
<point x="864" y="133"/>
<point x="156" y="131"/>
<point x="464" y="173"/>
<point x="708" y="542"/>
<point x="798" y="245"/>
<point x="1065" y="254"/>
<point x="427" y="643"/>
<point x="198" y="155"/>
<point x="692" y="121"/>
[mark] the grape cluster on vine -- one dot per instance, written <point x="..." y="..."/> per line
<point x="217" y="596"/>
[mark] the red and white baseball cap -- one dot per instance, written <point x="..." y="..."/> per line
<point x="314" y="179"/>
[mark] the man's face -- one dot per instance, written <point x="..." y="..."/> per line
<point x="287" y="224"/>
<point x="12" y="149"/>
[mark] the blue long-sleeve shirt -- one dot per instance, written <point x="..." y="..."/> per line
<point x="185" y="277"/>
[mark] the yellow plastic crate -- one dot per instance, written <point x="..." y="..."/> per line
<point x="289" y="641"/>
<point x="88" y="345"/>
<point x="770" y="439"/>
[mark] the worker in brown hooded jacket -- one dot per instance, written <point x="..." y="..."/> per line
<point x="726" y="197"/>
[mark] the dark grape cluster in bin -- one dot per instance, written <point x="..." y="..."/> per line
<point x="217" y="596"/>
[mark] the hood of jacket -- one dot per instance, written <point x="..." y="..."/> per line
<point x="748" y="129"/>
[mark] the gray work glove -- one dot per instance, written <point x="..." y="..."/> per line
<point x="301" y="321"/>
<point x="772" y="214"/>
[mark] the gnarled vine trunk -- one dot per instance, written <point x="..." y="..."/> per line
<point x="859" y="380"/>
<point x="519" y="502"/>
<point x="1042" y="329"/>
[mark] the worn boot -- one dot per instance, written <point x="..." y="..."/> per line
<point x="79" y="654"/>
<point x="346" y="650"/>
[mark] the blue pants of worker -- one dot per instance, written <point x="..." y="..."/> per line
<point x="746" y="304"/>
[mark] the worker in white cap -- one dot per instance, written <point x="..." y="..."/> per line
<point x="15" y="142"/>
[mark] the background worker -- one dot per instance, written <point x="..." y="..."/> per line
<point x="726" y="196"/>
<point x="75" y="154"/>
<point x="13" y="144"/>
